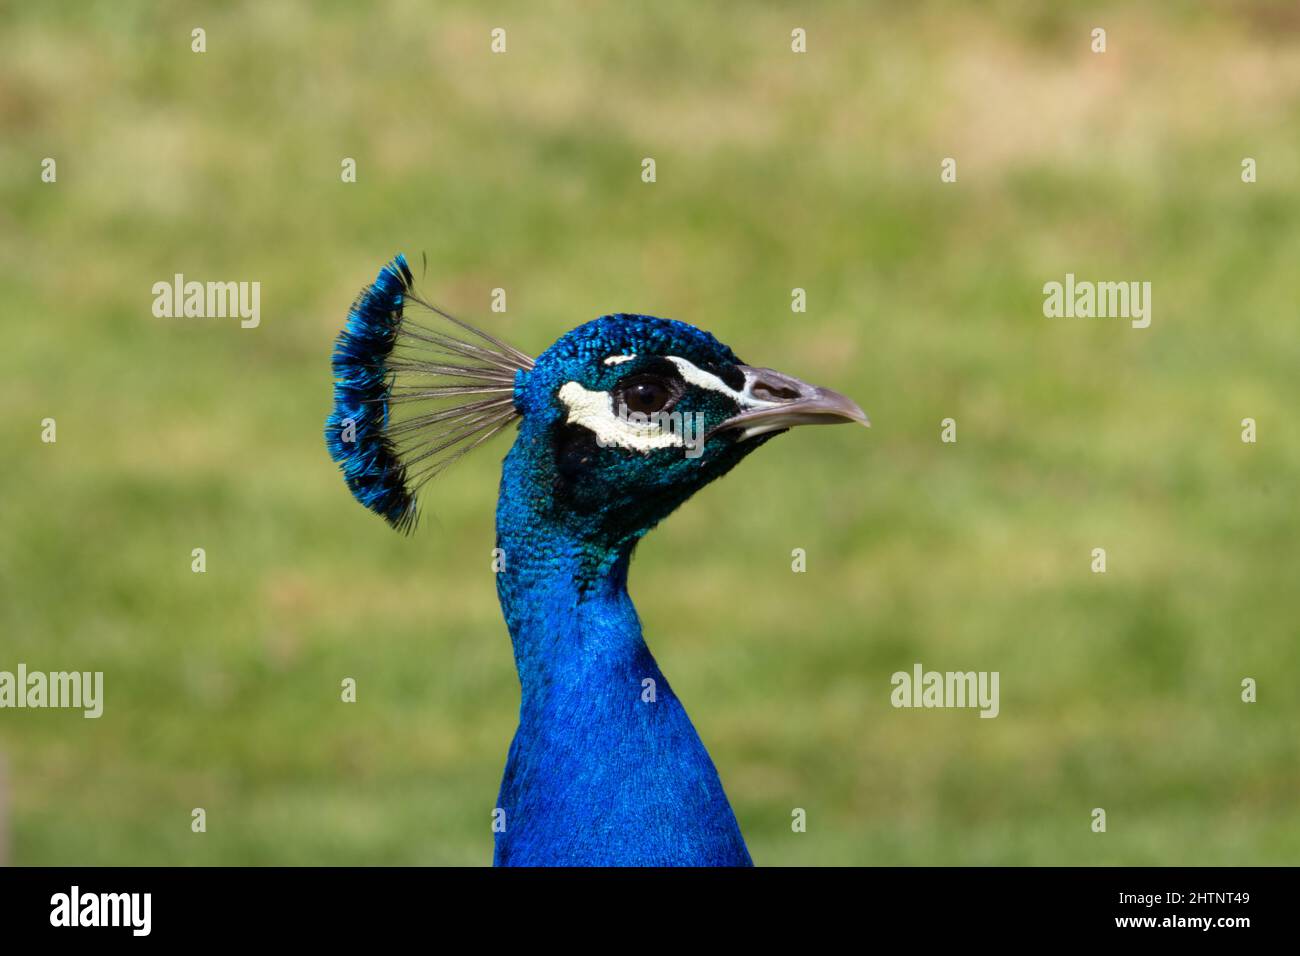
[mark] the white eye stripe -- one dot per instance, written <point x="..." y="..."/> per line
<point x="619" y="359"/>
<point x="694" y="375"/>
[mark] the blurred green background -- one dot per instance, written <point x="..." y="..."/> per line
<point x="775" y="171"/>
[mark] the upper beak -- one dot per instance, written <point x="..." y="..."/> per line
<point x="773" y="400"/>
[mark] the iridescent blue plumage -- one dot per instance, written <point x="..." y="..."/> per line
<point x="598" y="774"/>
<point x="605" y="767"/>
<point x="354" y="431"/>
<point x="457" y="385"/>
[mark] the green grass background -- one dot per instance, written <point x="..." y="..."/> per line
<point x="775" y="171"/>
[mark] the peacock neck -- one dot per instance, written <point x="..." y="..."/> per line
<point x="566" y="604"/>
<point x="605" y="767"/>
<point x="562" y="583"/>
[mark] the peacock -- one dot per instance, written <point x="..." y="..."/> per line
<point x="619" y="422"/>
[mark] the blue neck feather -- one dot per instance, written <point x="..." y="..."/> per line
<point x="597" y="774"/>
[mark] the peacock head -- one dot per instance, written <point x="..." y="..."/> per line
<point x="627" y="416"/>
<point x="620" y="420"/>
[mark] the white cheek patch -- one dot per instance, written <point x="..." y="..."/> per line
<point x="594" y="411"/>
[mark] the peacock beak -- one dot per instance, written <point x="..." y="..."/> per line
<point x="772" y="400"/>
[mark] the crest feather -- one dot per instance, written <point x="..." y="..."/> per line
<point x="410" y="399"/>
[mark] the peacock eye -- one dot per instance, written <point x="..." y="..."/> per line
<point x="644" y="394"/>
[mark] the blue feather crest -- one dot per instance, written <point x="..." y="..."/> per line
<point x="456" y="391"/>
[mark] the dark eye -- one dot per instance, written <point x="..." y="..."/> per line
<point x="645" y="394"/>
